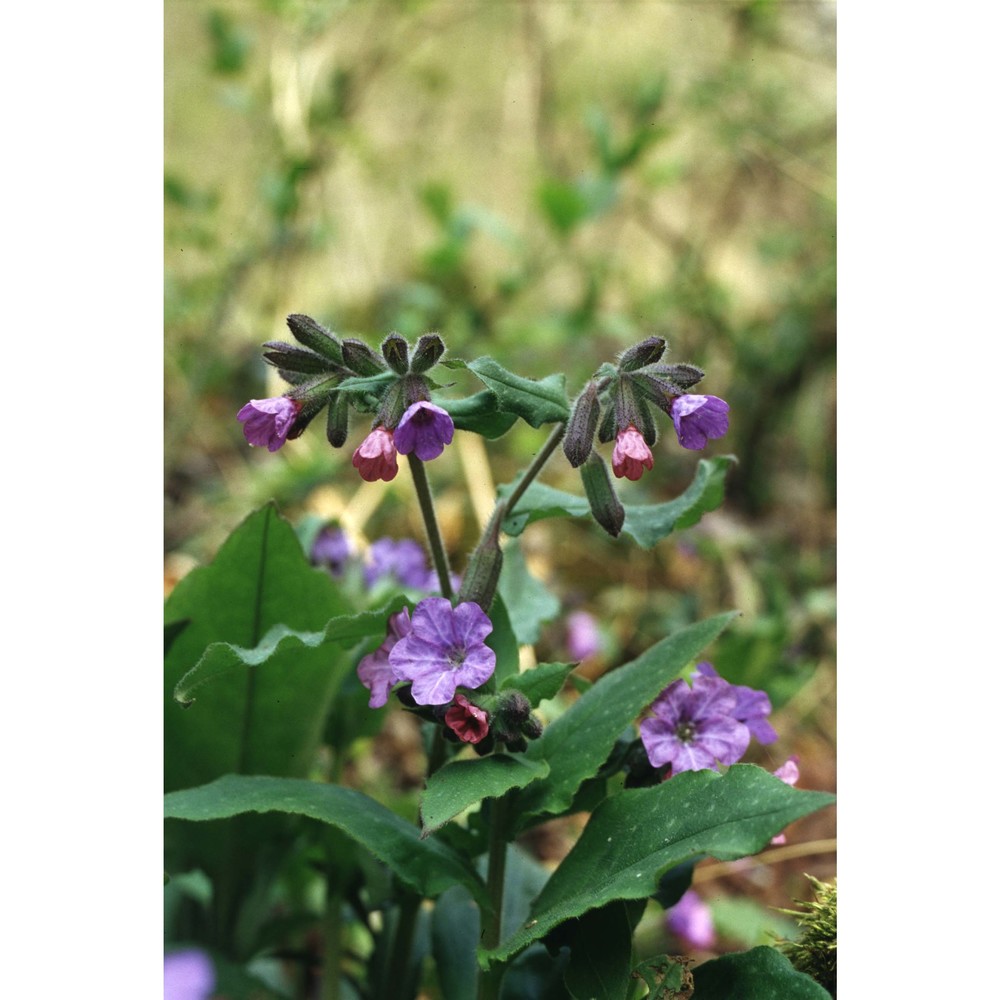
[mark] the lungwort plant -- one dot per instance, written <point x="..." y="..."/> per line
<point x="299" y="883"/>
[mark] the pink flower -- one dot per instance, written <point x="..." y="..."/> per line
<point x="631" y="454"/>
<point x="268" y="421"/>
<point x="467" y="721"/>
<point x="374" y="670"/>
<point x="375" y="457"/>
<point x="691" y="920"/>
<point x="789" y="774"/>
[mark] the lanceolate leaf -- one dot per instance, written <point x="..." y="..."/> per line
<point x="426" y="865"/>
<point x="634" y="837"/>
<point x="646" y="523"/>
<point x="577" y="743"/>
<point x="541" y="682"/>
<point x="537" y="402"/>
<point x="463" y="783"/>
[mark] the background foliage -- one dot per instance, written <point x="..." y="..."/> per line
<point x="544" y="182"/>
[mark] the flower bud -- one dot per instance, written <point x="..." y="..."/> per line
<point x="314" y="336"/>
<point x="361" y="359"/>
<point x="644" y="353"/>
<point x="296" y="359"/>
<point x="337" y="420"/>
<point x="579" y="438"/>
<point x="684" y="376"/>
<point x="396" y="352"/>
<point x="483" y="571"/>
<point x="532" y="728"/>
<point x="604" y="503"/>
<point x="428" y="352"/>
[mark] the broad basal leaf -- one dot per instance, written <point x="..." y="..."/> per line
<point x="634" y="837"/>
<point x="762" y="973"/>
<point x="426" y="865"/>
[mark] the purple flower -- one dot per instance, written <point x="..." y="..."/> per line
<point x="698" y="418"/>
<point x="268" y="421"/>
<point x="374" y="670"/>
<point x="424" y="430"/>
<point x="693" y="727"/>
<point x="582" y="637"/>
<point x="375" y="457"/>
<point x="691" y="920"/>
<point x="444" y="650"/>
<point x="403" y="562"/>
<point x="631" y="454"/>
<point x="752" y="706"/>
<point x="331" y="549"/>
<point x="188" y="975"/>
<point x="467" y="721"/>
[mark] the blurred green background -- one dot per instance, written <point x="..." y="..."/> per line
<point x="547" y="183"/>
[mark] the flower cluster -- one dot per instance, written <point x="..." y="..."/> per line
<point x="617" y="405"/>
<point x="705" y="724"/>
<point x="344" y="374"/>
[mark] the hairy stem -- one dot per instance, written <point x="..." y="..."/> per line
<point x="536" y="466"/>
<point x="438" y="554"/>
<point x="489" y="982"/>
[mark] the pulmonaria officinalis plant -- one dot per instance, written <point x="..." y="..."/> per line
<point x="274" y="660"/>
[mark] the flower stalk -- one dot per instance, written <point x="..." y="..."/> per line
<point x="434" y="540"/>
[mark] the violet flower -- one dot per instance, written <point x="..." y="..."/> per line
<point x="752" y="706"/>
<point x="444" y="650"/>
<point x="582" y="636"/>
<point x="403" y="562"/>
<point x="374" y="670"/>
<point x="467" y="721"/>
<point x="631" y="454"/>
<point x="424" y="430"/>
<point x="332" y="549"/>
<point x="698" y="419"/>
<point x="375" y="457"/>
<point x="693" y="728"/>
<point x="691" y="920"/>
<point x="188" y="975"/>
<point x="268" y="421"/>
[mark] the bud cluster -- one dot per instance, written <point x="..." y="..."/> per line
<point x="346" y="374"/>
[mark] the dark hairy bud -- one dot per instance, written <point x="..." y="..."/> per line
<point x="396" y="352"/>
<point x="315" y="336"/>
<point x="337" y="420"/>
<point x="604" y="503"/>
<point x="296" y="359"/>
<point x="428" y="352"/>
<point x="644" y="353"/>
<point x="361" y="359"/>
<point x="683" y="376"/>
<point x="579" y="438"/>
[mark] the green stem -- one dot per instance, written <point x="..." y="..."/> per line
<point x="332" y="931"/>
<point x="536" y="466"/>
<point x="438" y="751"/>
<point x="438" y="553"/>
<point x="402" y="946"/>
<point x="489" y="982"/>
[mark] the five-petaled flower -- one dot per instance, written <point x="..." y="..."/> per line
<point x="467" y="721"/>
<point x="424" y="430"/>
<point x="631" y="454"/>
<point x="691" y="920"/>
<point x="693" y="728"/>
<point x="268" y="421"/>
<point x="375" y="457"/>
<point x="698" y="419"/>
<point x="752" y="706"/>
<point x="375" y="671"/>
<point x="444" y="650"/>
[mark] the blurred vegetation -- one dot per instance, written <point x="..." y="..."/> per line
<point x="544" y="182"/>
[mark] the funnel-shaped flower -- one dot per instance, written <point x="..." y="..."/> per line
<point x="375" y="457"/>
<point x="698" y="419"/>
<point x="631" y="454"/>
<point x="467" y="721"/>
<point x="268" y="421"/>
<point x="424" y="430"/>
<point x="693" y="728"/>
<point x="444" y="650"/>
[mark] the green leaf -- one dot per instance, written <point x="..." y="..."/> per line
<point x="634" y="837"/>
<point x="646" y="523"/>
<point x="538" y="402"/>
<point x="600" y="962"/>
<point x="463" y="783"/>
<point x="541" y="682"/>
<point x="503" y="642"/>
<point x="577" y="743"/>
<point x="759" y="974"/>
<point x="222" y="658"/>
<point x="367" y="383"/>
<point x="479" y="414"/>
<point x="529" y="602"/>
<point x="427" y="865"/>
<point x="454" y="939"/>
